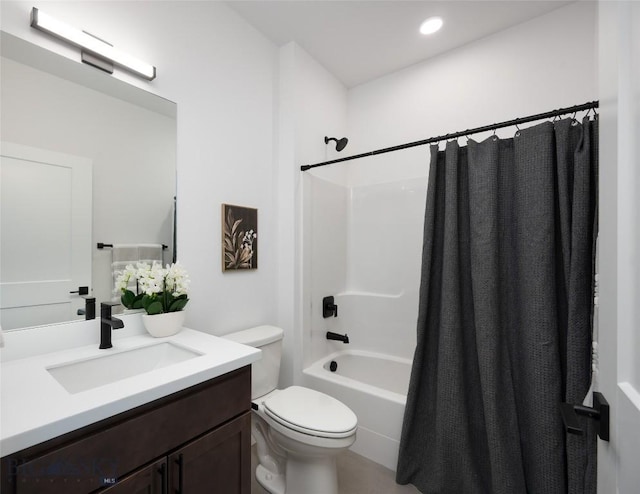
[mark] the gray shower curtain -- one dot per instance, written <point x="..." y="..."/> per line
<point x="505" y="316"/>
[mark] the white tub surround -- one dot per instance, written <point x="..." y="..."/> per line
<point x="36" y="407"/>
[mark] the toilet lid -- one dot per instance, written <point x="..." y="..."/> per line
<point x="311" y="412"/>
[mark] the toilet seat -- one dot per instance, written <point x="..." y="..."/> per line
<point x="310" y="412"/>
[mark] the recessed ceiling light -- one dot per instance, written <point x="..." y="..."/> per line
<point x="431" y="25"/>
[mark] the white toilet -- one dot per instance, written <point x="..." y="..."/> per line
<point x="298" y="431"/>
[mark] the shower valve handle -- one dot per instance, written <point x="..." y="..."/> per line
<point x="329" y="308"/>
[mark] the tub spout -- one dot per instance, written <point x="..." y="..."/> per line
<point x="338" y="337"/>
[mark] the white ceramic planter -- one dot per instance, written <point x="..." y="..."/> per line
<point x="161" y="325"/>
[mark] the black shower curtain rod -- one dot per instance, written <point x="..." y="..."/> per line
<point x="455" y="135"/>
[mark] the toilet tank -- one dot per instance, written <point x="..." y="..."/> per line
<point x="266" y="371"/>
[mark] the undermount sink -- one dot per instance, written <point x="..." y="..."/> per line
<point x="91" y="373"/>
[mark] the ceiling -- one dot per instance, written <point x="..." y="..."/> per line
<point x="358" y="41"/>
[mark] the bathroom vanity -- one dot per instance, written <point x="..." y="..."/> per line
<point x="184" y="427"/>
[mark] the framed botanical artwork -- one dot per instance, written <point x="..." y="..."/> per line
<point x="239" y="238"/>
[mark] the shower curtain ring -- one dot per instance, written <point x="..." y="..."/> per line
<point x="494" y="137"/>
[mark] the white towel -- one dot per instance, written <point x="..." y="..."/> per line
<point x="124" y="253"/>
<point x="150" y="253"/>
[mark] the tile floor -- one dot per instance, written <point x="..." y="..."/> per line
<point x="356" y="475"/>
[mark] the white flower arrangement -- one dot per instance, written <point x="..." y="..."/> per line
<point x="159" y="289"/>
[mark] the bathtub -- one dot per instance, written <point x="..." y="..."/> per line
<point x="374" y="386"/>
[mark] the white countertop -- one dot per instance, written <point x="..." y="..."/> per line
<point x="35" y="407"/>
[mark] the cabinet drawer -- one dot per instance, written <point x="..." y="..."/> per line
<point x="119" y="445"/>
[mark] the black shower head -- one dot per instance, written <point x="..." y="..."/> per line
<point x="340" y="143"/>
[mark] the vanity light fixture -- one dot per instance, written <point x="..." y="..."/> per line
<point x="98" y="53"/>
<point x="431" y="25"/>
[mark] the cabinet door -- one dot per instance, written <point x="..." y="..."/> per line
<point x="150" y="480"/>
<point x="218" y="462"/>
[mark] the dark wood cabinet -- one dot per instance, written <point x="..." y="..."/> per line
<point x="147" y="480"/>
<point x="214" y="462"/>
<point x="194" y="441"/>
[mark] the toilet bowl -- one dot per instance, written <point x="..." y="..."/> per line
<point x="298" y="431"/>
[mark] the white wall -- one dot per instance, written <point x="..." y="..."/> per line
<point x="546" y="63"/>
<point x="312" y="104"/>
<point x="222" y="74"/>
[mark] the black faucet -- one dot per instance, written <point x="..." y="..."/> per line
<point x="89" y="308"/>
<point x="338" y="337"/>
<point x="89" y="311"/>
<point x="107" y="323"/>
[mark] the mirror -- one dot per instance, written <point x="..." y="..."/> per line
<point x="86" y="159"/>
